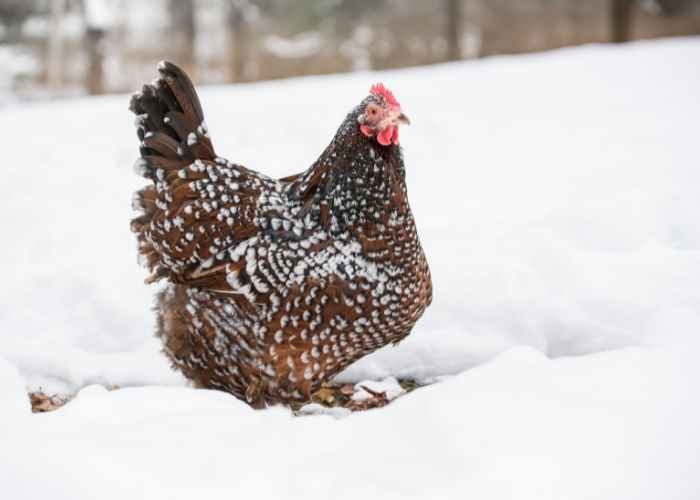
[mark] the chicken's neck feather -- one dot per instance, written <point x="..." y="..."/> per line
<point x="356" y="183"/>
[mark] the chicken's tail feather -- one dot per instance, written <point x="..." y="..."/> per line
<point x="169" y="118"/>
<point x="172" y="133"/>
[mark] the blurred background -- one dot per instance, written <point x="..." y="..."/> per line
<point x="54" y="48"/>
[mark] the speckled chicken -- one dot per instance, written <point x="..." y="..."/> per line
<point x="274" y="286"/>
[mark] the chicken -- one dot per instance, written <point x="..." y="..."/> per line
<point x="275" y="286"/>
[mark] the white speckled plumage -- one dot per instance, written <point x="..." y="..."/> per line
<point x="274" y="285"/>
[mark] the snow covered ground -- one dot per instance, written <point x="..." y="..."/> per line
<point x="557" y="200"/>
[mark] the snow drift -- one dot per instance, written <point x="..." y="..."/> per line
<point x="556" y="199"/>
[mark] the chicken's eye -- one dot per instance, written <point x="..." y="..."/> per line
<point x="372" y="111"/>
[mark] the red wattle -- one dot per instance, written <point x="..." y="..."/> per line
<point x="395" y="138"/>
<point x="385" y="136"/>
<point x="366" y="130"/>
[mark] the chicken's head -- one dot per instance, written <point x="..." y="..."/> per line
<point x="381" y="116"/>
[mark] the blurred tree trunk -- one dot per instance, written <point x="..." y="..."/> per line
<point x="620" y="20"/>
<point x="93" y="45"/>
<point x="94" y="77"/>
<point x="239" y="47"/>
<point x="183" y="22"/>
<point x="453" y="34"/>
<point x="678" y="7"/>
<point x="54" y="53"/>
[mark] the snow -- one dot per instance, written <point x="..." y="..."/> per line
<point x="389" y="386"/>
<point x="612" y="425"/>
<point x="13" y="398"/>
<point x="556" y="199"/>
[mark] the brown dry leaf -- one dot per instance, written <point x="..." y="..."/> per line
<point x="42" y="402"/>
<point x="337" y="395"/>
<point x="408" y="385"/>
<point x="325" y="395"/>
<point x="347" y="389"/>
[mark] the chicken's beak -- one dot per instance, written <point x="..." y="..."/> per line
<point x="403" y="119"/>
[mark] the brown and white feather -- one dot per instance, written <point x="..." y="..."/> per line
<point x="274" y="285"/>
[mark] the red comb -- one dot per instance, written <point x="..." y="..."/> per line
<point x="380" y="90"/>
